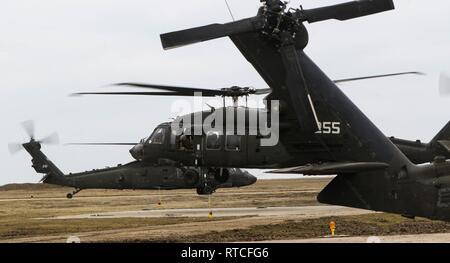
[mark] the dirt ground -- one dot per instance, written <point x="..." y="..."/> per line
<point x="27" y="214"/>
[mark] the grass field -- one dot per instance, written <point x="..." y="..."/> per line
<point x="26" y="213"/>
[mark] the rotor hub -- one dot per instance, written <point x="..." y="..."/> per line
<point x="237" y="91"/>
<point x="284" y="26"/>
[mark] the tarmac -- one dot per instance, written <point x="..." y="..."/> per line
<point x="299" y="212"/>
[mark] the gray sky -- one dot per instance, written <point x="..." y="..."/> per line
<point x="51" y="48"/>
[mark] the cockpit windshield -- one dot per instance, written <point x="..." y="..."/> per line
<point x="157" y="136"/>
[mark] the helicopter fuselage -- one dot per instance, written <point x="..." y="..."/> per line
<point x="226" y="147"/>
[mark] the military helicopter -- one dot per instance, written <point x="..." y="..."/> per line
<point x="215" y="148"/>
<point x="320" y="130"/>
<point x="134" y="175"/>
<point x="212" y="148"/>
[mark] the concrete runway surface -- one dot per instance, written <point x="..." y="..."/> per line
<point x="62" y="197"/>
<point x="299" y="212"/>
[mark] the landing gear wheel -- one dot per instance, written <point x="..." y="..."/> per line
<point x="205" y="190"/>
<point x="70" y="195"/>
<point x="200" y="191"/>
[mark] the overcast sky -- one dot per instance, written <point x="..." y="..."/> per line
<point x="51" y="48"/>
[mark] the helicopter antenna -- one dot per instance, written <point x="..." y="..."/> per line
<point x="229" y="10"/>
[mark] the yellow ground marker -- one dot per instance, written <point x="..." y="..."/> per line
<point x="332" y="226"/>
<point x="210" y="214"/>
<point x="159" y="204"/>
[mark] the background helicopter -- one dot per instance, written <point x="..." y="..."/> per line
<point x="372" y="172"/>
<point x="134" y="175"/>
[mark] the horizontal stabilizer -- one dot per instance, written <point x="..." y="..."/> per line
<point x="445" y="144"/>
<point x="333" y="168"/>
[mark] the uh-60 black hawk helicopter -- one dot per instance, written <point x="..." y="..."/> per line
<point x="320" y="130"/>
<point x="212" y="148"/>
<point x="134" y="175"/>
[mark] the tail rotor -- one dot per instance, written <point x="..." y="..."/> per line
<point x="29" y="128"/>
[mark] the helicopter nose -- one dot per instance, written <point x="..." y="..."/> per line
<point x="137" y="151"/>
<point x="251" y="178"/>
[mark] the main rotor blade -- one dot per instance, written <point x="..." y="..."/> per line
<point x="209" y="32"/>
<point x="103" y="144"/>
<point x="183" y="91"/>
<point x="348" y="10"/>
<point x="28" y="126"/>
<point x="143" y="94"/>
<point x="379" y="76"/>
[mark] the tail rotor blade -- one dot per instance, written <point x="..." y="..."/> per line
<point x="444" y="85"/>
<point x="51" y="139"/>
<point x="28" y="126"/>
<point x="15" y="147"/>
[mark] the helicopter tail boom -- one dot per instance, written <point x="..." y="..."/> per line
<point x="419" y="152"/>
<point x="42" y="164"/>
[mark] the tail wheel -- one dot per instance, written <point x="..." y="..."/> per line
<point x="70" y="195"/>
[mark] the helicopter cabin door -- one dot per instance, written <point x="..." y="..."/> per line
<point x="235" y="150"/>
<point x="224" y="150"/>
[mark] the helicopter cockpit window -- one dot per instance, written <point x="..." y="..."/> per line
<point x="185" y="141"/>
<point x="213" y="140"/>
<point x="157" y="137"/>
<point x="233" y="142"/>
